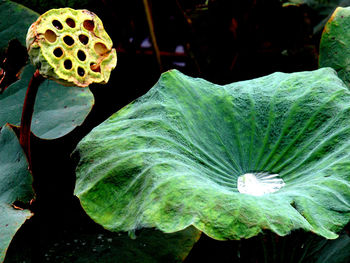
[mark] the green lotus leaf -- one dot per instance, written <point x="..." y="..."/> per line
<point x="15" y="185"/>
<point x="335" y="251"/>
<point x="334" y="46"/>
<point x="178" y="155"/>
<point x="16" y="19"/>
<point x="321" y="250"/>
<point x="58" y="109"/>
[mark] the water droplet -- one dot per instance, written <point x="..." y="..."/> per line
<point x="259" y="184"/>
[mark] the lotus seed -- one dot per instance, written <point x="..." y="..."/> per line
<point x="68" y="40"/>
<point x="50" y="36"/>
<point x="70" y="22"/>
<point x="57" y="24"/>
<point x="89" y="25"/>
<point x="81" y="71"/>
<point x="100" y="48"/>
<point x="81" y="55"/>
<point x="58" y="52"/>
<point x="83" y="39"/>
<point x="67" y="64"/>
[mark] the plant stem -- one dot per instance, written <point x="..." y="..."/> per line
<point x="27" y="113"/>
<point x="264" y="248"/>
<point x="152" y="32"/>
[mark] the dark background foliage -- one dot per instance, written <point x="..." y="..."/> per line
<point x="218" y="40"/>
<point x="221" y="41"/>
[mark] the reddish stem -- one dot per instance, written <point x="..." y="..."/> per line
<point x="27" y="113"/>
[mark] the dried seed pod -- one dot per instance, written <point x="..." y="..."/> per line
<point x="71" y="47"/>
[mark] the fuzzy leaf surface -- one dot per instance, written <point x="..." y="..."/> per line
<point x="172" y="158"/>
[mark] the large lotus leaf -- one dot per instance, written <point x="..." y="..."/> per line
<point x="334" y="46"/>
<point x="150" y="246"/>
<point x="15" y="21"/>
<point x="15" y="185"/>
<point x="172" y="158"/>
<point x="58" y="109"/>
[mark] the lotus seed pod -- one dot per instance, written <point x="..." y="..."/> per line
<point x="71" y="47"/>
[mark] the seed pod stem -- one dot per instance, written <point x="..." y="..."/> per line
<point x="27" y="114"/>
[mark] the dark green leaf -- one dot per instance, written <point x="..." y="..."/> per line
<point x="14" y="23"/>
<point x="329" y="251"/>
<point x="58" y="109"/>
<point x="15" y="185"/>
<point x="335" y="251"/>
<point x="173" y="157"/>
<point x="334" y="46"/>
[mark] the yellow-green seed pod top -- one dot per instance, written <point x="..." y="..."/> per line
<point x="71" y="47"/>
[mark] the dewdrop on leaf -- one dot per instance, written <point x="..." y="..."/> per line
<point x="71" y="47"/>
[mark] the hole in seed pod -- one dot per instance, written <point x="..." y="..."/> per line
<point x="70" y="22"/>
<point x="50" y="36"/>
<point x="81" y="71"/>
<point x="68" y="40"/>
<point x="81" y="55"/>
<point x="100" y="48"/>
<point x="83" y="39"/>
<point x="58" y="52"/>
<point x="95" y="68"/>
<point x="89" y="25"/>
<point x="57" y="24"/>
<point x="67" y="64"/>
